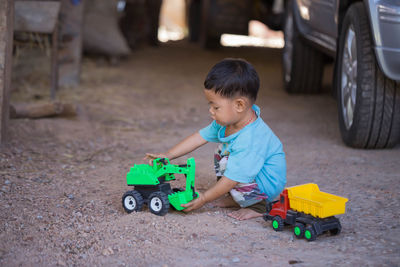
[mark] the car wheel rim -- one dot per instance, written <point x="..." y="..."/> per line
<point x="130" y="203"/>
<point x="288" y="49"/>
<point x="275" y="224"/>
<point x="349" y="77"/>
<point x="156" y="204"/>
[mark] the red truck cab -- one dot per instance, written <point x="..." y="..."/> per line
<point x="281" y="207"/>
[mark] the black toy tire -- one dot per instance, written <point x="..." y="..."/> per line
<point x="302" y="64"/>
<point x="277" y="223"/>
<point x="368" y="102"/>
<point x="310" y="234"/>
<point x="337" y="230"/>
<point x="300" y="232"/>
<point x="158" y="203"/>
<point x="132" y="201"/>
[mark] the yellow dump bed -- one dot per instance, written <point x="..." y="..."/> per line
<point x="308" y="199"/>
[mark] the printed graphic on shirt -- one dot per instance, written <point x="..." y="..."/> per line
<point x="221" y="159"/>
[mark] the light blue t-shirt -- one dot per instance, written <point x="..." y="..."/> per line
<point x="255" y="154"/>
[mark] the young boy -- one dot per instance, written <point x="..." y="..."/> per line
<point x="249" y="162"/>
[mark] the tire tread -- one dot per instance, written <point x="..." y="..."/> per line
<point x="307" y="66"/>
<point x="377" y="118"/>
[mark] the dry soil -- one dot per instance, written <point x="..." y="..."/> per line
<point x="62" y="179"/>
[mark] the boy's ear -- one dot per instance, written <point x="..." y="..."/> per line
<point x="240" y="104"/>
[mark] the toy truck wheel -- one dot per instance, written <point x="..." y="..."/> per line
<point x="132" y="201"/>
<point x="310" y="234"/>
<point x="158" y="203"/>
<point x="277" y="223"/>
<point x="336" y="231"/>
<point x="299" y="230"/>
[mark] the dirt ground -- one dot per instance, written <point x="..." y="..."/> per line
<point x="62" y="179"/>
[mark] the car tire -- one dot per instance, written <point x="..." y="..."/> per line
<point x="368" y="102"/>
<point x="302" y="63"/>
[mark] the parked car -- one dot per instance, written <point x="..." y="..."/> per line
<point x="363" y="38"/>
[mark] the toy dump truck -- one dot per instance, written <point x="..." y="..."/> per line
<point x="151" y="187"/>
<point x="308" y="209"/>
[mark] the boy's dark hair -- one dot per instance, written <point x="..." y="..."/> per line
<point x="233" y="76"/>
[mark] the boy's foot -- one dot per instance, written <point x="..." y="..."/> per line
<point x="225" y="202"/>
<point x="244" y="214"/>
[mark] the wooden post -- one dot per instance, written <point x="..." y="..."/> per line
<point x="54" y="63"/>
<point x="140" y="22"/>
<point x="6" y="43"/>
<point x="41" y="17"/>
<point x="70" y="52"/>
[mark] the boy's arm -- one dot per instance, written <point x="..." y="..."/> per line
<point x="223" y="186"/>
<point x="187" y="145"/>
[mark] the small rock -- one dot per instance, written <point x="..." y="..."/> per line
<point x="107" y="158"/>
<point x="235" y="260"/>
<point x="107" y="251"/>
<point x="70" y="196"/>
<point x="61" y="263"/>
<point x="294" y="262"/>
<point x="7" y="182"/>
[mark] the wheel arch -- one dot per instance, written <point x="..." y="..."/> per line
<point x="342" y="8"/>
<point x="328" y="48"/>
<point x="387" y="51"/>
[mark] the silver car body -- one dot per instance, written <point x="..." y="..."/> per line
<point x="319" y="20"/>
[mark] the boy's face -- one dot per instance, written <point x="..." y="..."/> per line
<point x="223" y="110"/>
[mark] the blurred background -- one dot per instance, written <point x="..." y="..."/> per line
<point x="111" y="30"/>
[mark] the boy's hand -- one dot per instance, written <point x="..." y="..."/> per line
<point x="223" y="186"/>
<point x="151" y="157"/>
<point x="195" y="203"/>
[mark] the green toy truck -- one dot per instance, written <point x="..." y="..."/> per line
<point x="150" y="186"/>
